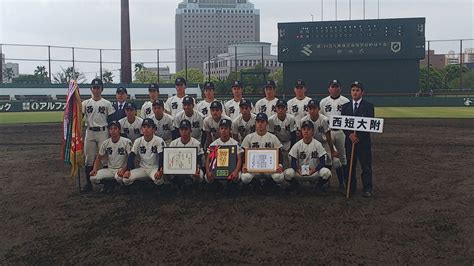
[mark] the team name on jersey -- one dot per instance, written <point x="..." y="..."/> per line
<point x="257" y="145"/>
<point x="314" y="155"/>
<point x="154" y="149"/>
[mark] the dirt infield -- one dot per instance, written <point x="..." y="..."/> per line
<point x="422" y="211"/>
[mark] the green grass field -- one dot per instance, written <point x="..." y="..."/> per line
<point x="385" y="112"/>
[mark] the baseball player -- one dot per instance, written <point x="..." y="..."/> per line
<point x="149" y="150"/>
<point x="211" y="123"/>
<point x="283" y="126"/>
<point x="96" y="110"/>
<point x="244" y="124"/>
<point x="262" y="139"/>
<point x="174" y="104"/>
<point x="322" y="132"/>
<point x="119" y="106"/>
<point x="115" y="149"/>
<point x="308" y="159"/>
<point x="204" y="105"/>
<point x="147" y="108"/>
<point x="332" y="105"/>
<point x="232" y="106"/>
<point x="267" y="105"/>
<point x="186" y="140"/>
<point x="192" y="116"/>
<point x="298" y="106"/>
<point x="224" y="139"/>
<point x="163" y="121"/>
<point x="131" y="124"/>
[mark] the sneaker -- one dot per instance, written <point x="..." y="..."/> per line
<point x="367" y="194"/>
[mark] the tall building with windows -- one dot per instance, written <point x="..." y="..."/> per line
<point x="200" y="24"/>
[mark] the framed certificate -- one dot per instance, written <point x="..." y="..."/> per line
<point x="261" y="160"/>
<point x="179" y="160"/>
<point x="222" y="160"/>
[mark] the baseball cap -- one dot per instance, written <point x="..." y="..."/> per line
<point x="97" y="83"/>
<point x="121" y="89"/>
<point x="281" y="103"/>
<point x="245" y="102"/>
<point x="153" y="86"/>
<point x="179" y="81"/>
<point x="300" y="83"/>
<point x="188" y="100"/>
<point x="148" y="122"/>
<point x="262" y="116"/>
<point x="334" y="83"/>
<point x="158" y="102"/>
<point x="114" y="123"/>
<point x="238" y="83"/>
<point x="314" y="103"/>
<point x="270" y="83"/>
<point x="307" y="123"/>
<point x="215" y="104"/>
<point x="225" y="123"/>
<point x="130" y="106"/>
<point x="357" y="84"/>
<point x="185" y="124"/>
<point x="209" y="85"/>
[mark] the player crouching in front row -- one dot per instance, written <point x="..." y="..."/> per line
<point x="308" y="159"/>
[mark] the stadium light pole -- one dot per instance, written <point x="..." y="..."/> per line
<point x="322" y="10"/>
<point x="350" y="9"/>
<point x="126" y="54"/>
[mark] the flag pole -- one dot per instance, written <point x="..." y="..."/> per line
<point x="348" y="192"/>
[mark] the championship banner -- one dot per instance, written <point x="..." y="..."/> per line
<point x="73" y="145"/>
<point x="357" y="123"/>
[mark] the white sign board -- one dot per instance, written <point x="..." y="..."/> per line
<point x="357" y="123"/>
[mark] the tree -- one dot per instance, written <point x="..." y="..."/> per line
<point x="41" y="71"/>
<point x="145" y="76"/>
<point x="8" y="74"/>
<point x="65" y="75"/>
<point x="467" y="81"/>
<point x="452" y="72"/>
<point x="30" y="79"/>
<point x="194" y="75"/>
<point x="277" y="76"/>
<point x="107" y="77"/>
<point x="139" y="66"/>
<point x="435" y="79"/>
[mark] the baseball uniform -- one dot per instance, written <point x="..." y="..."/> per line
<point x="164" y="127"/>
<point x="242" y="128"/>
<point x="298" y="108"/>
<point x="283" y="130"/>
<point x="116" y="154"/>
<point x="174" y="105"/>
<point x="266" y="106"/>
<point x="147" y="110"/>
<point x="196" y="119"/>
<point x="210" y="125"/>
<point x="131" y="130"/>
<point x="232" y="109"/>
<point x="308" y="155"/>
<point x="191" y="143"/>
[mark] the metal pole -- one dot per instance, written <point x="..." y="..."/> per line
<point x="429" y="67"/>
<point x="100" y="63"/>
<point x="322" y="10"/>
<point x="378" y="9"/>
<point x="263" y="62"/>
<point x="460" y="64"/>
<point x="364" y="8"/>
<point x="186" y="62"/>
<point x="158" y="64"/>
<point x="236" y="62"/>
<point x="350" y="9"/>
<point x="1" y="64"/>
<point x="73" y="64"/>
<point x="209" y="63"/>
<point x="336" y="9"/>
<point x="49" y="63"/>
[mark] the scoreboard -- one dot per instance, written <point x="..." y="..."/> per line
<point x="354" y="50"/>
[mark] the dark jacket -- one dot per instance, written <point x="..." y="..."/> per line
<point x="119" y="114"/>
<point x="365" y="109"/>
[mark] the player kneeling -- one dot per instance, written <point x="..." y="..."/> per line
<point x="308" y="159"/>
<point x="149" y="150"/>
<point x="116" y="149"/>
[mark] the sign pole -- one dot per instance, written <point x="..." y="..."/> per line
<point x="349" y="178"/>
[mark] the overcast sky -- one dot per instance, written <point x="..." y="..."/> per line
<point x="96" y="23"/>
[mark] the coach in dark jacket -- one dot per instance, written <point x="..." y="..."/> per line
<point x="121" y="96"/>
<point x="363" y="146"/>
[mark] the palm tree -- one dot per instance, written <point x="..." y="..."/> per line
<point x="41" y="71"/>
<point x="108" y="77"/>
<point x="126" y="57"/>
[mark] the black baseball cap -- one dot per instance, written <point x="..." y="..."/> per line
<point x="262" y="116"/>
<point x="281" y="103"/>
<point x="225" y="123"/>
<point x="114" y="123"/>
<point x="153" y="86"/>
<point x="238" y="83"/>
<point x="357" y="84"/>
<point x="245" y="102"/>
<point x="184" y="124"/>
<point x="300" y="83"/>
<point x="334" y="83"/>
<point x="270" y="83"/>
<point x="188" y="100"/>
<point x="307" y="123"/>
<point x="121" y="89"/>
<point x="179" y="81"/>
<point x="209" y="85"/>
<point x="130" y="106"/>
<point x="215" y="105"/>
<point x="97" y="83"/>
<point x="148" y="122"/>
<point x="313" y="103"/>
<point x="158" y="102"/>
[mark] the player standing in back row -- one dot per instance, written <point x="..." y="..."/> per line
<point x="298" y="106"/>
<point x="232" y="106"/>
<point x="147" y="108"/>
<point x="174" y="104"/>
<point x="267" y="105"/>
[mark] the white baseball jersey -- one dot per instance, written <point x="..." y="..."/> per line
<point x="117" y="153"/>
<point x="148" y="151"/>
<point x="196" y="119"/>
<point x="232" y="108"/>
<point x="131" y="130"/>
<point x="298" y="108"/>
<point x="307" y="154"/>
<point x="164" y="127"/>
<point x="242" y="128"/>
<point x="256" y="141"/>
<point x="330" y="106"/>
<point x="147" y="110"/>
<point x="192" y="143"/>
<point x="203" y="108"/>
<point x="210" y="125"/>
<point x="321" y="127"/>
<point x="230" y="142"/>
<point x="282" y="129"/>
<point x="265" y="106"/>
<point x="96" y="112"/>
<point x="174" y="105"/>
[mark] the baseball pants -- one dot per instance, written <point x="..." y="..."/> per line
<point x="248" y="177"/>
<point x="339" y="141"/>
<point x="142" y="174"/>
<point x="104" y="174"/>
<point x="92" y="142"/>
<point x="323" y="173"/>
